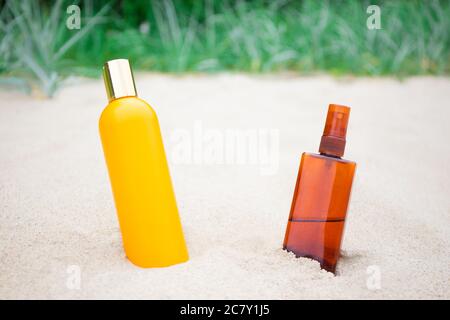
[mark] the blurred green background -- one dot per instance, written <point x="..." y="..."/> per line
<point x="37" y="50"/>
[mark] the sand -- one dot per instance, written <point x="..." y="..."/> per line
<point x="59" y="233"/>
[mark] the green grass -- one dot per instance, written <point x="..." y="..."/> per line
<point x="210" y="36"/>
<point x="35" y="42"/>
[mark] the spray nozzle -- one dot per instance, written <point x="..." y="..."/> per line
<point x="333" y="138"/>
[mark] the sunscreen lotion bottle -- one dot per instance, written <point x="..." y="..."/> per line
<point x="321" y="196"/>
<point x="145" y="201"/>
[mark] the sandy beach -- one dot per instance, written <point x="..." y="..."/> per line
<point x="58" y="221"/>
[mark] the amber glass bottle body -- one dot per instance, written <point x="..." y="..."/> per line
<point x="319" y="207"/>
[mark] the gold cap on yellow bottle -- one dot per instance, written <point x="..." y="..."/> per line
<point x="119" y="81"/>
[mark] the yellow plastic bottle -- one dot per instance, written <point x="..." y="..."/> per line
<point x="134" y="152"/>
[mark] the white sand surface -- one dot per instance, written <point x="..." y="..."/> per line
<point x="57" y="211"/>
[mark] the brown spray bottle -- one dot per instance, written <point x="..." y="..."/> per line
<point x="322" y="192"/>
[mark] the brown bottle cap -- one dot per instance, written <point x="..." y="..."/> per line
<point x="333" y="138"/>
